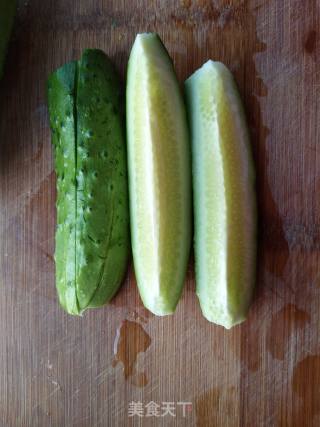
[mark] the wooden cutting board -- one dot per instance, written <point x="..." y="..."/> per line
<point x="56" y="370"/>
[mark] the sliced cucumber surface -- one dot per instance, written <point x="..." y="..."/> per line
<point x="224" y="195"/>
<point x="159" y="175"/>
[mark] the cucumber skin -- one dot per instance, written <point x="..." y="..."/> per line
<point x="241" y="267"/>
<point x="169" y="279"/>
<point x="7" y="14"/>
<point x="103" y="238"/>
<point x="61" y="103"/>
<point x="98" y="214"/>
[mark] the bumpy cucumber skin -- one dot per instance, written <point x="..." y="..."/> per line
<point x="224" y="195"/>
<point x="7" y="13"/>
<point x="103" y="241"/>
<point x="159" y="167"/>
<point x="94" y="219"/>
<point x="61" y="102"/>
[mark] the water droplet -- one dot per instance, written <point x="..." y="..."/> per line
<point x="131" y="339"/>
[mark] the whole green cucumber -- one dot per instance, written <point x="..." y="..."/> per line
<point x="7" y="13"/>
<point x="92" y="238"/>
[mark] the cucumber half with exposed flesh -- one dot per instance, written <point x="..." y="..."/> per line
<point x="224" y="195"/>
<point x="159" y="175"/>
<point x="7" y="13"/>
<point x="92" y="238"/>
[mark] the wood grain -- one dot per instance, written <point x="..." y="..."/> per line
<point x="56" y="370"/>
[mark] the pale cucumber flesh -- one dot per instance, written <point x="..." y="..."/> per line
<point x="159" y="175"/>
<point x="224" y="195"/>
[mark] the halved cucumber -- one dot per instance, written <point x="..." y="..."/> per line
<point x="92" y="237"/>
<point x="224" y="195"/>
<point x="159" y="175"/>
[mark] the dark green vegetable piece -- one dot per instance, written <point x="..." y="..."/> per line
<point x="7" y="13"/>
<point x="61" y="94"/>
<point x="92" y="239"/>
